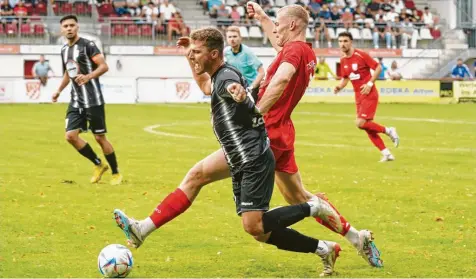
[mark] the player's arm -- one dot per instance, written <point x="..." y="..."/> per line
<point x="342" y="84"/>
<point x="374" y="65"/>
<point x="276" y="86"/>
<point x="204" y="80"/>
<point x="63" y="84"/>
<point x="259" y="77"/>
<point x="255" y="11"/>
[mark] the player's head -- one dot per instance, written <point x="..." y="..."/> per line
<point x="345" y="42"/>
<point x="322" y="60"/>
<point x="233" y="36"/>
<point x="290" y="25"/>
<point x="206" y="49"/>
<point x="42" y="58"/>
<point x="460" y="62"/>
<point x="69" y="26"/>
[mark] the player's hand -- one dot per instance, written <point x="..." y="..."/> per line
<point x="55" y="96"/>
<point x="365" y="89"/>
<point x="254" y="10"/>
<point x="82" y="79"/>
<point x="237" y="91"/>
<point x="184" y="42"/>
<point x="337" y="89"/>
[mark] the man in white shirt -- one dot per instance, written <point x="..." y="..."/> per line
<point x="428" y="17"/>
<point x="167" y="10"/>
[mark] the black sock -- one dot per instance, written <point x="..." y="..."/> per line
<point x="88" y="152"/>
<point x="284" y="217"/>
<point x="111" y="159"/>
<point x="291" y="240"/>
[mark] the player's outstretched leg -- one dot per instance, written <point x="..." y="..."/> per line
<point x="85" y="149"/>
<point x="294" y="192"/>
<point x="210" y="169"/>
<point x="271" y="227"/>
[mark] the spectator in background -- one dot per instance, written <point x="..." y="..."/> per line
<point x="374" y="6"/>
<point x="384" y="69"/>
<point x="325" y="13"/>
<point x="408" y="32"/>
<point x="41" y="69"/>
<point x="20" y="9"/>
<point x="394" y="73"/>
<point x="380" y="15"/>
<point x="391" y="15"/>
<point x="133" y="7"/>
<point x="461" y="71"/>
<point x="151" y="13"/>
<point x="321" y="30"/>
<point x="235" y="15"/>
<point x="428" y="17"/>
<point x="5" y="9"/>
<point x="167" y="10"/>
<point x="177" y="26"/>
<point x="213" y="4"/>
<point x="347" y="18"/>
<point x="300" y="3"/>
<point x="335" y="17"/>
<point x="414" y="17"/>
<point x="223" y="17"/>
<point x="322" y="70"/>
<point x="397" y="33"/>
<point x="398" y="6"/>
<point x="386" y="6"/>
<point x="382" y="30"/>
<point x="120" y="6"/>
<point x="314" y="7"/>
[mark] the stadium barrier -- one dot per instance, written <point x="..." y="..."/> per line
<point x="185" y="90"/>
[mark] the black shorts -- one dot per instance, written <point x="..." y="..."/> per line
<point x="254" y="93"/>
<point x="253" y="185"/>
<point x="78" y="118"/>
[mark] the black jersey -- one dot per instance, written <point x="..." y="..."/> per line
<point x="77" y="59"/>
<point x="237" y="126"/>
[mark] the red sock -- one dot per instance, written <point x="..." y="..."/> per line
<point x="376" y="140"/>
<point x="172" y="206"/>
<point x="345" y="224"/>
<point x="374" y="127"/>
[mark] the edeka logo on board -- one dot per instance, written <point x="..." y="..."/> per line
<point x="389" y="91"/>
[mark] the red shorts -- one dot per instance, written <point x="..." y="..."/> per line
<point x="285" y="161"/>
<point x="366" y="108"/>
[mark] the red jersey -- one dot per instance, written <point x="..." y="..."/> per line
<point x="278" y="119"/>
<point x="357" y="69"/>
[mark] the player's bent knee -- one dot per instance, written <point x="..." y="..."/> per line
<point x="253" y="224"/>
<point x="359" y="122"/>
<point x="71" y="137"/>
<point x="100" y="138"/>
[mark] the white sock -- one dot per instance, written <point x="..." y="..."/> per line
<point x="353" y="236"/>
<point x="385" y="152"/>
<point x="146" y="226"/>
<point x="313" y="208"/>
<point x="322" y="248"/>
<point x="387" y="130"/>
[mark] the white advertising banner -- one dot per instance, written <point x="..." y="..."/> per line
<point x="115" y="90"/>
<point x="174" y="90"/>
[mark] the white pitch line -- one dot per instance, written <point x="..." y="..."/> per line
<point x="410" y="119"/>
<point x="153" y="130"/>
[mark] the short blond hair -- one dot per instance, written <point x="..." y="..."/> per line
<point x="234" y="28"/>
<point x="212" y="37"/>
<point x="297" y="12"/>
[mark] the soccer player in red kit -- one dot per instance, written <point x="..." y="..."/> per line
<point x="286" y="81"/>
<point x="355" y="66"/>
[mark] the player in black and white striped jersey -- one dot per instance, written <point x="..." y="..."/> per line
<point x="83" y="64"/>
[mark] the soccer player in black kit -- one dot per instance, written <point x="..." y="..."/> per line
<point x="83" y="64"/>
<point x="239" y="128"/>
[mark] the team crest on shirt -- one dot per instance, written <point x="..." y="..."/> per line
<point x="354" y="66"/>
<point x="182" y="90"/>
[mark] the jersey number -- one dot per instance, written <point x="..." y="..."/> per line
<point x="257" y="121"/>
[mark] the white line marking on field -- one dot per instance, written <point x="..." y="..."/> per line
<point x="410" y="119"/>
<point x="153" y="129"/>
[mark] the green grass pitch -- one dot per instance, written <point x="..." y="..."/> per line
<point x="421" y="207"/>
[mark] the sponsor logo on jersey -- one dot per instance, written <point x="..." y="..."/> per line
<point x="354" y="66"/>
<point x="354" y="76"/>
<point x="72" y="68"/>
